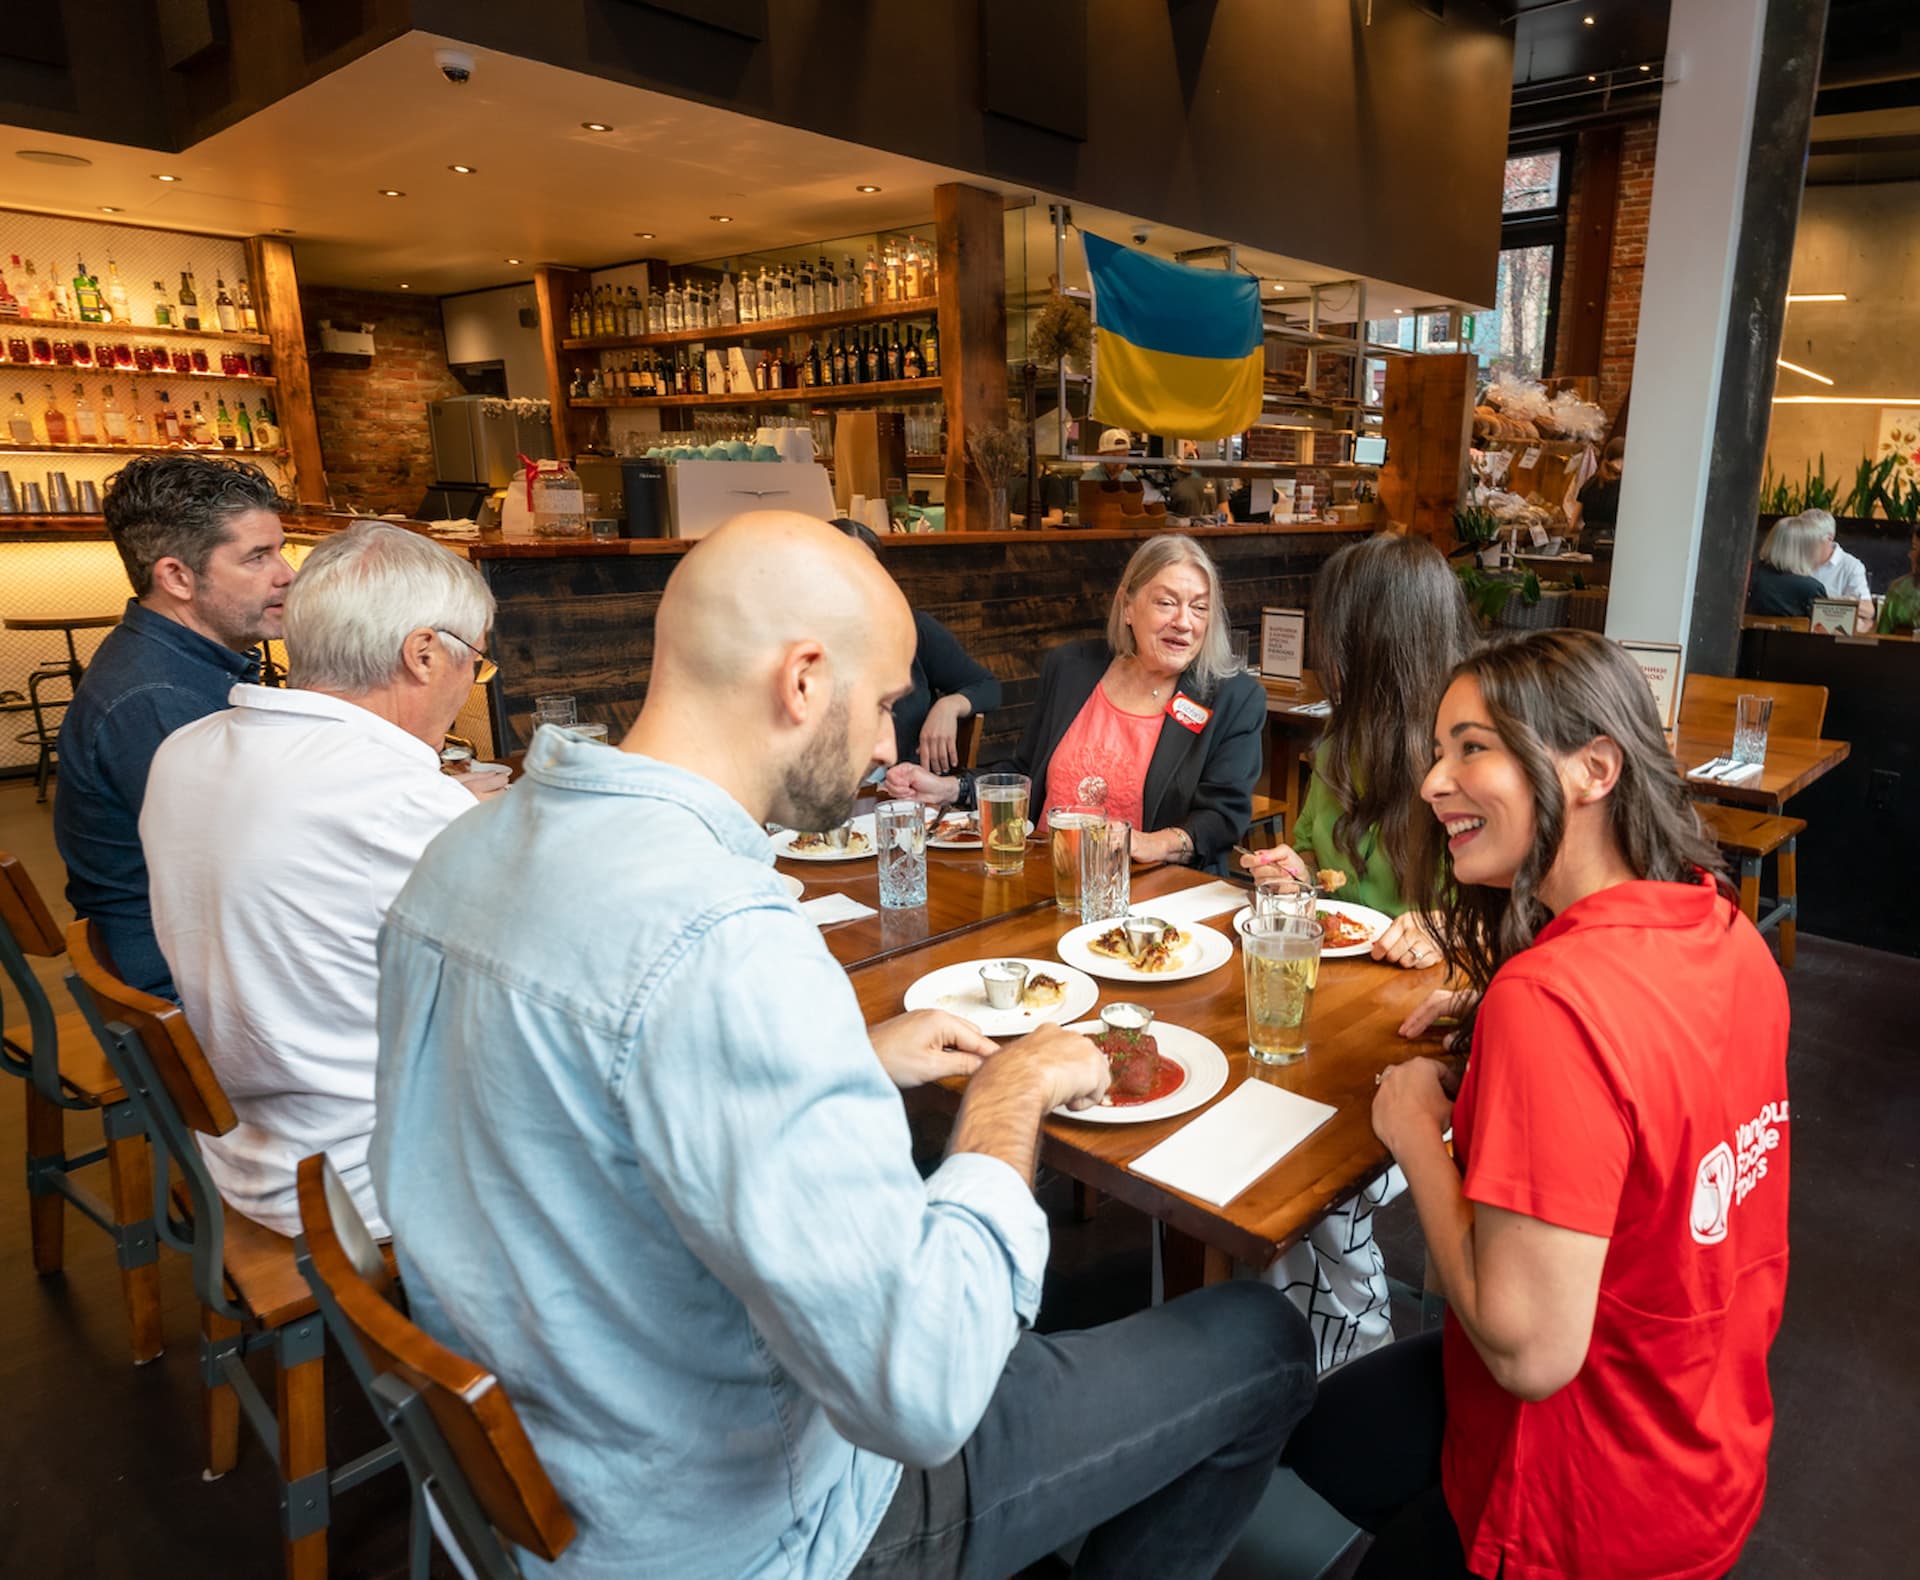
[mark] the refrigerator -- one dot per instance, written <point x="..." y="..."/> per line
<point x="474" y="453"/>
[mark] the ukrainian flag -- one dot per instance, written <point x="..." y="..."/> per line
<point x="1176" y="350"/>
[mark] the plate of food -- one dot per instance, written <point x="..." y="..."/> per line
<point x="796" y="846"/>
<point x="1350" y="928"/>
<point x="960" y="831"/>
<point x="794" y="887"/>
<point x="1175" y="954"/>
<point x="1158" y="1073"/>
<point x="1051" y="992"/>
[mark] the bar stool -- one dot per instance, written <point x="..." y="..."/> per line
<point x="42" y="736"/>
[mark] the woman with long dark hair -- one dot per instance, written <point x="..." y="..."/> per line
<point x="1389" y="623"/>
<point x="1610" y="1229"/>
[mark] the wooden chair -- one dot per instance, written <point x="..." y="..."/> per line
<point x="1750" y="837"/>
<point x="1707" y="706"/>
<point x="967" y="739"/>
<point x="469" y="1458"/>
<point x="65" y="1070"/>
<point x="251" y="1293"/>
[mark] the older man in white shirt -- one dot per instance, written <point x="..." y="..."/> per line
<point x="1841" y="573"/>
<point x="277" y="834"/>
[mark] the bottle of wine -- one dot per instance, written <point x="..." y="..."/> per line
<point x="223" y="426"/>
<point x="86" y="295"/>
<point x="916" y="367"/>
<point x="249" y="318"/>
<point x="162" y="306"/>
<point x="54" y="420"/>
<point x="896" y="356"/>
<point x="189" y="302"/>
<point x="20" y="420"/>
<point x="930" y="350"/>
<point x="243" y="424"/>
<point x="117" y="309"/>
<point x="225" y="308"/>
<point x="112" y="419"/>
<point x="813" y="361"/>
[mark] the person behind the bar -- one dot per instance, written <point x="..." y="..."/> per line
<point x="1609" y="1228"/>
<point x="644" y="1158"/>
<point x="948" y="685"/>
<point x="1151" y="722"/>
<point x="1116" y="444"/>
<point x="277" y="832"/>
<point x="201" y="541"/>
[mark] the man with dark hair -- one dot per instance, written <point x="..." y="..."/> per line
<point x="200" y="537"/>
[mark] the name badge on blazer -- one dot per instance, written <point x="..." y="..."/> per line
<point x="1183" y="709"/>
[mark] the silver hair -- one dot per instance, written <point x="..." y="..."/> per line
<point x="1821" y="521"/>
<point x="361" y="593"/>
<point x="1214" y="661"/>
<point x="1792" y="542"/>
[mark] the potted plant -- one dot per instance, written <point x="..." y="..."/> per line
<point x="1479" y="532"/>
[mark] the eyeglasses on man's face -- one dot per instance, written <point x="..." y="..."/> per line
<point x="484" y="668"/>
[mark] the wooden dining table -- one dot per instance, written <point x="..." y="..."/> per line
<point x="1352" y="1035"/>
<point x="1792" y="764"/>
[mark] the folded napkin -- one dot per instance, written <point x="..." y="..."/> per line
<point x="831" y="908"/>
<point x="1191" y="905"/>
<point x="1318" y="710"/>
<point x="1234" y="1142"/>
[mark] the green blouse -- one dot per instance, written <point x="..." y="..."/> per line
<point x="1901" y="610"/>
<point x="1313" y="830"/>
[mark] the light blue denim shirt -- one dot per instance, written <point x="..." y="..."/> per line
<point x="640" y="1159"/>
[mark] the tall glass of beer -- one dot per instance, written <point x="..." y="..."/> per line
<point x="1003" y="821"/>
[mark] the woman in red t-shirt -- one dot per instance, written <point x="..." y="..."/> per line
<point x="1610" y="1230"/>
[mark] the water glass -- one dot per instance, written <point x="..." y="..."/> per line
<point x="588" y="732"/>
<point x="1063" y="832"/>
<point x="1280" y="956"/>
<point x="1106" y="868"/>
<point x="900" y="834"/>
<point x="1002" y="800"/>
<point x="1752" y="715"/>
<point x="1285" y="897"/>
<point x="555" y="708"/>
<point x="1240" y="644"/>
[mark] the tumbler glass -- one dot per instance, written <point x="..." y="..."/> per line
<point x="1063" y="832"/>
<point x="900" y="833"/>
<point x="555" y="707"/>
<point x="1285" y="897"/>
<point x="1106" y="868"/>
<point x="1752" y="715"/>
<point x="1280" y="956"/>
<point x="1003" y="821"/>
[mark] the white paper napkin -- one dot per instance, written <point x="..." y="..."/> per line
<point x="831" y="908"/>
<point x="1191" y="905"/>
<point x="1234" y="1142"/>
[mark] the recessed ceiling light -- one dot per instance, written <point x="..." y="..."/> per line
<point x="1592" y="78"/>
<point x="1816" y="296"/>
<point x="513" y="260"/>
<point x="1588" y="20"/>
<point x="166" y="178"/>
<point x="1646" y="68"/>
<point x="866" y="189"/>
<point x="389" y="192"/>
<point x="595" y="126"/>
<point x="108" y="208"/>
<point x="721" y="219"/>
<point x="463" y="170"/>
<point x="405" y="287"/>
<point x="1399" y="312"/>
<point x="644" y="235"/>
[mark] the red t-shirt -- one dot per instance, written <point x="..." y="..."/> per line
<point x="1628" y="1079"/>
<point x="1103" y="758"/>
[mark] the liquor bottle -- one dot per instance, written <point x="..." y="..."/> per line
<point x="223" y="426"/>
<point x="729" y="304"/>
<point x="224" y="308"/>
<point x="118" y="310"/>
<point x="202" y="427"/>
<point x="813" y="361"/>
<point x="162" y="306"/>
<point x="827" y="375"/>
<point x="189" y="302"/>
<point x="573" y="316"/>
<point x="632" y="379"/>
<point x="783" y="292"/>
<point x="20" y="420"/>
<point x="85" y="429"/>
<point x="768" y="290"/>
<point x="930" y="350"/>
<point x="9" y="303"/>
<point x="890" y="270"/>
<point x="244" y="424"/>
<point x="697" y="373"/>
<point x="139" y="421"/>
<point x="803" y="290"/>
<point x="39" y="302"/>
<point x="164" y="431"/>
<point x="871" y="286"/>
<point x="896" y="356"/>
<point x="916" y="367"/>
<point x="86" y="295"/>
<point x="54" y="420"/>
<point x="842" y="367"/>
<point x="266" y="426"/>
<point x="249" y="318"/>
<point x="849" y="284"/>
<point x="910" y="271"/>
<point x="760" y="373"/>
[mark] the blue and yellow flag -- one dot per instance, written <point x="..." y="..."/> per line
<point x="1176" y="350"/>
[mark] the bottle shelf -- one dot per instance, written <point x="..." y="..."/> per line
<point x="813" y="394"/>
<point x="246" y="337"/>
<point x="7" y="449"/>
<point x="720" y="334"/>
<point x="46" y="371"/>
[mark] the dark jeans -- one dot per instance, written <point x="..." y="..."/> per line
<point x="1371" y="1447"/>
<point x="1157" y="1434"/>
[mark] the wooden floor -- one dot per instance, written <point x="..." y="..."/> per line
<point x="100" y="1461"/>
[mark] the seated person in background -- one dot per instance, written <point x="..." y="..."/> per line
<point x="1152" y="722"/>
<point x="279" y="830"/>
<point x="644" y="1159"/>
<point x="1840" y="573"/>
<point x="200" y="538"/>
<point x="1609" y="1229"/>
<point x="1783" y="580"/>
<point x="1116" y="442"/>
<point x="948" y="686"/>
<point x="1900" y="610"/>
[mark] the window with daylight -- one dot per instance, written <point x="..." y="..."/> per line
<point x="1517" y="336"/>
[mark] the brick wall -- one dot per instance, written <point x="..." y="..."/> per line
<point x="372" y="414"/>
<point x="1625" y="267"/>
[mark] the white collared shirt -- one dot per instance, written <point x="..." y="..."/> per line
<point x="1844" y="576"/>
<point x="277" y="834"/>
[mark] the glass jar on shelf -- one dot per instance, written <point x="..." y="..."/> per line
<point x="182" y="362"/>
<point x="200" y="364"/>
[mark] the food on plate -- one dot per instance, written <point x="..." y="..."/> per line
<point x="1160" y="956"/>
<point x="1342" y="931"/>
<point x="1044" y="991"/>
<point x="811" y="844"/>
<point x="958" y="825"/>
<point x="1330" y="879"/>
<point x="1140" y="1075"/>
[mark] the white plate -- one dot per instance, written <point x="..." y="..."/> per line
<point x="964" y="841"/>
<point x="1209" y="951"/>
<point x="1206" y="1068"/>
<point x="794" y="887"/>
<point x="1376" y="923"/>
<point x="783" y="845"/>
<point x="958" y="988"/>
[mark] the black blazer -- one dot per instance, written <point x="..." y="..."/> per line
<point x="1200" y="782"/>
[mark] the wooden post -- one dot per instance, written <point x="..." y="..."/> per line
<point x="973" y="337"/>
<point x="1427" y="417"/>
<point x="276" y="292"/>
<point x="1586" y="302"/>
<point x="553" y="290"/>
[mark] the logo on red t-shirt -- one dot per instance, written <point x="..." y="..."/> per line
<point x="1723" y="1180"/>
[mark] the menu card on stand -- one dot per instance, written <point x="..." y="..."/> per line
<point x="1283" y="644"/>
<point x="1834" y="616"/>
<point x="1662" y="664"/>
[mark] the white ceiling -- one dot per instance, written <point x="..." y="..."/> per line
<point x="545" y="190"/>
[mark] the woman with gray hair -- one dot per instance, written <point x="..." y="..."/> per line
<point x="1152" y="722"/>
<point x="1783" y="576"/>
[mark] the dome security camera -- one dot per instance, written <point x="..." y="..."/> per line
<point x="1140" y="234"/>
<point x="456" y="65"/>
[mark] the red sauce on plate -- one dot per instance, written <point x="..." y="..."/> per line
<point x="1170" y="1077"/>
